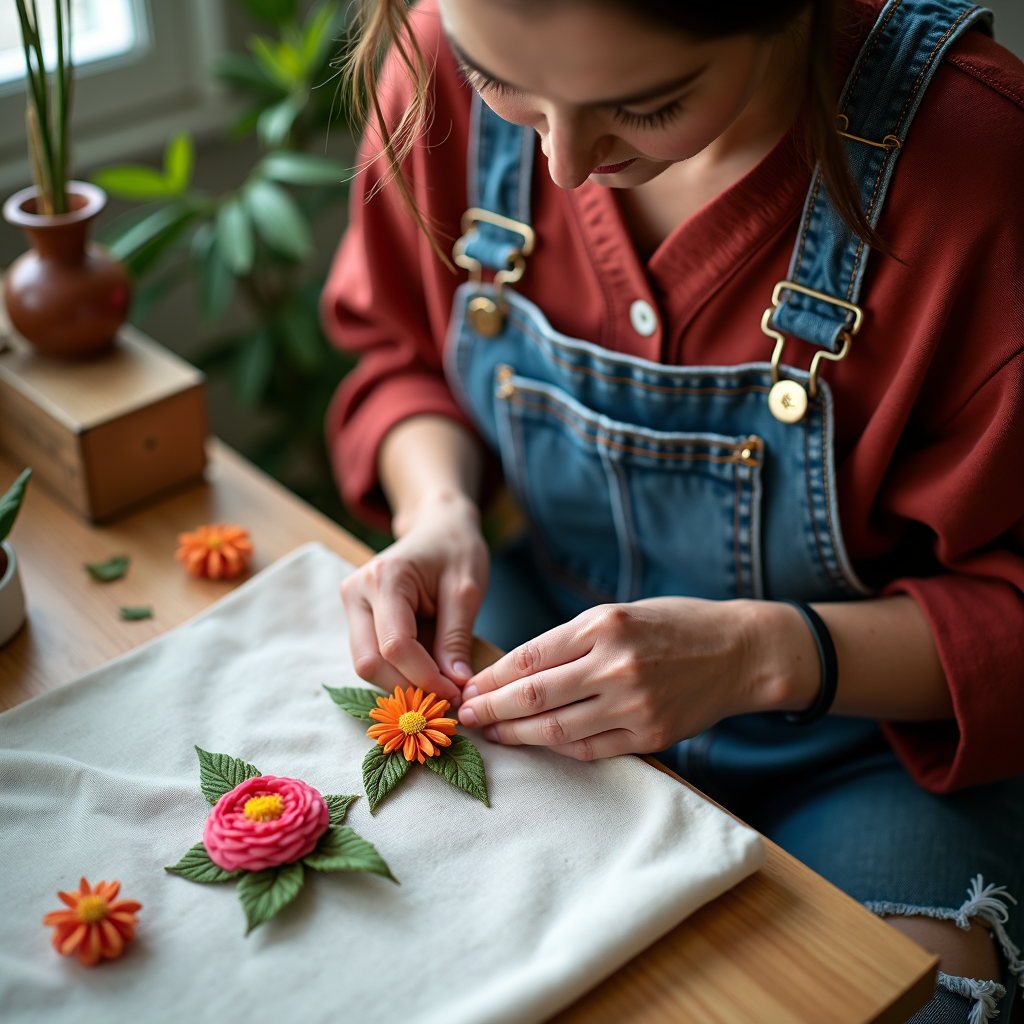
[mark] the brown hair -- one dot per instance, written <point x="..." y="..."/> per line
<point x="380" y="25"/>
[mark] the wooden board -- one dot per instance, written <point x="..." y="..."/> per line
<point x="783" y="947"/>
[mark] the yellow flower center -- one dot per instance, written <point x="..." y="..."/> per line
<point x="412" y="722"/>
<point x="269" y="807"/>
<point x="215" y="542"/>
<point x="91" y="909"/>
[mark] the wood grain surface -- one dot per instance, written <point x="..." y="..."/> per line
<point x="783" y="947"/>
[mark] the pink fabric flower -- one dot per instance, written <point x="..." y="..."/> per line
<point x="265" y="822"/>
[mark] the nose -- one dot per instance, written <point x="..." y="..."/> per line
<point x="573" y="148"/>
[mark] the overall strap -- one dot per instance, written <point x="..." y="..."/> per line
<point x="878" y="104"/>
<point x="499" y="177"/>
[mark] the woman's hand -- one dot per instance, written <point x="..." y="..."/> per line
<point x="439" y="569"/>
<point x="635" y="678"/>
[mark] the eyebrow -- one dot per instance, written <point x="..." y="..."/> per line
<point x="654" y="92"/>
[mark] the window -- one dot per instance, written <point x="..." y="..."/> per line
<point x="103" y="31"/>
<point x="143" y="73"/>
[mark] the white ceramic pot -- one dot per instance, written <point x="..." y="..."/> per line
<point x="12" y="598"/>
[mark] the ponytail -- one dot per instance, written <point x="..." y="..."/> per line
<point x="380" y="25"/>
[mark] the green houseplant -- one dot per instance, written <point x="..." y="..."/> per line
<point x="252" y="248"/>
<point x="66" y="297"/>
<point x="12" y="597"/>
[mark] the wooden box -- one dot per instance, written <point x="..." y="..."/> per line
<point x="107" y="433"/>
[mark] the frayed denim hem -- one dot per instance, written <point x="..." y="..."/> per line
<point x="988" y="904"/>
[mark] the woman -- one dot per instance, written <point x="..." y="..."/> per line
<point x="721" y="386"/>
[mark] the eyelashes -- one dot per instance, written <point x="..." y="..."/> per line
<point x="655" y="119"/>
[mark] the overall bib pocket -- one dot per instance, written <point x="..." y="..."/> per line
<point x="623" y="511"/>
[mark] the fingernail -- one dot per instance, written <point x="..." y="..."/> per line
<point x="490" y="733"/>
<point x="470" y="692"/>
<point x="468" y="717"/>
<point x="462" y="670"/>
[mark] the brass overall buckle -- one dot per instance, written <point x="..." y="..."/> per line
<point x="787" y="399"/>
<point x="486" y="313"/>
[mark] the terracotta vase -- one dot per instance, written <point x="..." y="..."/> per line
<point x="67" y="296"/>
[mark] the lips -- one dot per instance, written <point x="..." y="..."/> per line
<point x="613" y="168"/>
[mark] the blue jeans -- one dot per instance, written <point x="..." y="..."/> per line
<point x="839" y="800"/>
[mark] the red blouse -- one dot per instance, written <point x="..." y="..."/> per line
<point x="929" y="405"/>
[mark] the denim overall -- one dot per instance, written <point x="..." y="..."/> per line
<point x="640" y="479"/>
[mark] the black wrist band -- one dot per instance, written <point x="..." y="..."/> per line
<point x="829" y="668"/>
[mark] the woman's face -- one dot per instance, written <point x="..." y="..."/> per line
<point x="612" y="97"/>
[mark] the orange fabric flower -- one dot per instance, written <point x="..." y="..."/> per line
<point x="219" y="552"/>
<point x="413" y="722"/>
<point x="97" y="925"/>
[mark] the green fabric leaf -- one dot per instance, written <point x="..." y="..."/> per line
<point x="112" y="569"/>
<point x="462" y="766"/>
<point x="135" y="613"/>
<point x="278" y="220"/>
<point x="303" y="169"/>
<point x="220" y="773"/>
<point x="10" y="503"/>
<point x="338" y="806"/>
<point x="357" y="701"/>
<point x="340" y="849"/>
<point x="179" y="159"/>
<point x="381" y="773"/>
<point x="135" y="182"/>
<point x="197" y="866"/>
<point x="253" y="367"/>
<point x="266" y="893"/>
<point x="234" y="237"/>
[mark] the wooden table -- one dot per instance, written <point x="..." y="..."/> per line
<point x="784" y="946"/>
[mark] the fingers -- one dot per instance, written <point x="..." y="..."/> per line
<point x="605" y="744"/>
<point x="557" y="727"/>
<point x="522" y="698"/>
<point x="458" y="601"/>
<point x="366" y="656"/>
<point x="556" y="647"/>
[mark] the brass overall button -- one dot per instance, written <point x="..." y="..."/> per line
<point x="787" y="401"/>
<point x="504" y="374"/>
<point x="485" y="316"/>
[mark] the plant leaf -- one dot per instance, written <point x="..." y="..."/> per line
<point x="179" y="159"/>
<point x="357" y="701"/>
<point x="278" y="60"/>
<point x="338" y="807"/>
<point x="274" y="123"/>
<point x="278" y="220"/>
<point x="303" y="169"/>
<point x="317" y="34"/>
<point x="242" y="72"/>
<point x="134" y="181"/>
<point x="197" y="867"/>
<point x="266" y="893"/>
<point x="112" y="569"/>
<point x="462" y="766"/>
<point x="163" y="219"/>
<point x="234" y="236"/>
<point x="220" y="773"/>
<point x="136" y="613"/>
<point x="301" y="334"/>
<point x="10" y="503"/>
<point x="340" y="849"/>
<point x="253" y="366"/>
<point x="273" y="12"/>
<point x="216" y="283"/>
<point x="381" y="773"/>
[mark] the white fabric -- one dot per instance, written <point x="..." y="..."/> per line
<point x="503" y="914"/>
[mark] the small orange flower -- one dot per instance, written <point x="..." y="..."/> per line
<point x="97" y="925"/>
<point x="217" y="552"/>
<point x="413" y="722"/>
